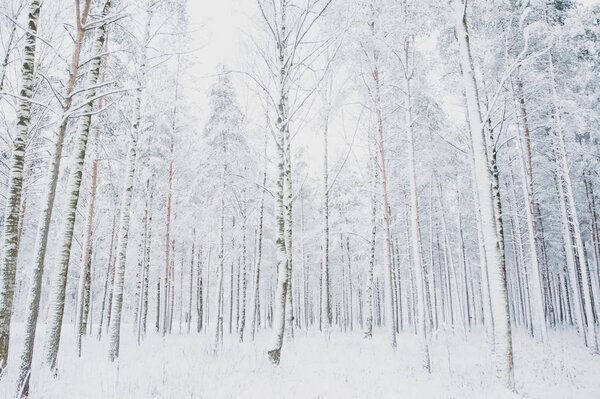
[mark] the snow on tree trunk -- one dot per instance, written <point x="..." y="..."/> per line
<point x="387" y="216"/>
<point x="83" y="276"/>
<point x="369" y="303"/>
<point x="256" y="292"/>
<point x="221" y="268"/>
<point x="483" y="181"/>
<point x="325" y="284"/>
<point x="117" y="303"/>
<point x="533" y="271"/>
<point x="592" y="339"/>
<point x="107" y="278"/>
<point x="244" y="274"/>
<point x="415" y="229"/>
<point x="282" y="255"/>
<point x="62" y="266"/>
<point x="8" y="267"/>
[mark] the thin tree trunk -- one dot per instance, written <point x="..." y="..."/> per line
<point x="415" y="228"/>
<point x="117" y="303"/>
<point x="373" y="242"/>
<point x="592" y="340"/>
<point x="107" y="279"/>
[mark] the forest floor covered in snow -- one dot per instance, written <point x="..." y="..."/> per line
<point x="312" y="366"/>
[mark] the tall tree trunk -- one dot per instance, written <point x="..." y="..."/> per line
<point x="325" y="284"/>
<point x="256" y="294"/>
<point x="39" y="253"/>
<point x="282" y="256"/>
<point x="387" y="215"/>
<point x="107" y="279"/>
<point x="592" y="339"/>
<point x="83" y="276"/>
<point x="484" y="182"/>
<point x="189" y="311"/>
<point x="147" y="251"/>
<point x="117" y="303"/>
<point x="221" y="269"/>
<point x="199" y="305"/>
<point x="244" y="274"/>
<point x="8" y="267"/>
<point x="369" y="301"/>
<point x="415" y="228"/>
<point x="57" y="306"/>
<point x="533" y="271"/>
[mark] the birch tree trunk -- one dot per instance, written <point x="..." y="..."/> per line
<point x="117" y="304"/>
<point x="373" y="176"/>
<point x="107" y="279"/>
<point x="221" y="268"/>
<point x="415" y="228"/>
<point x="244" y="274"/>
<point x="282" y="256"/>
<point x="145" y="282"/>
<point x="592" y="339"/>
<point x="325" y="284"/>
<point x="83" y="276"/>
<point x="256" y="292"/>
<point x="483" y="181"/>
<point x="8" y="267"/>
<point x="61" y="269"/>
<point x="533" y="271"/>
<point x="199" y="304"/>
<point x="387" y="216"/>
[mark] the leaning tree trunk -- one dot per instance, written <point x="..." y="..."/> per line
<point x="483" y="182"/>
<point x="83" y="276"/>
<point x="57" y="306"/>
<point x="8" y="266"/>
<point x="33" y="300"/>
<point x="117" y="303"/>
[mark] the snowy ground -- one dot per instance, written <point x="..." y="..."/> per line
<point x="345" y="366"/>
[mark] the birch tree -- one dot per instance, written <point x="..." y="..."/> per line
<point x="483" y="183"/>
<point x="60" y="271"/>
<point x="15" y="183"/>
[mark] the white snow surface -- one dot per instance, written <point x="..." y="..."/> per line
<point x="312" y="366"/>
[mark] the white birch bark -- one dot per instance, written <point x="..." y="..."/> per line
<point x="369" y="302"/>
<point x="483" y="181"/>
<point x="282" y="256"/>
<point x="8" y="267"/>
<point x="592" y="339"/>
<point x="117" y="303"/>
<point x="415" y="229"/>
<point x="325" y="285"/>
<point x="533" y="271"/>
<point x="74" y="183"/>
<point x="33" y="299"/>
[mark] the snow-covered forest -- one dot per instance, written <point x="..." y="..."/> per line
<point x="299" y="198"/>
